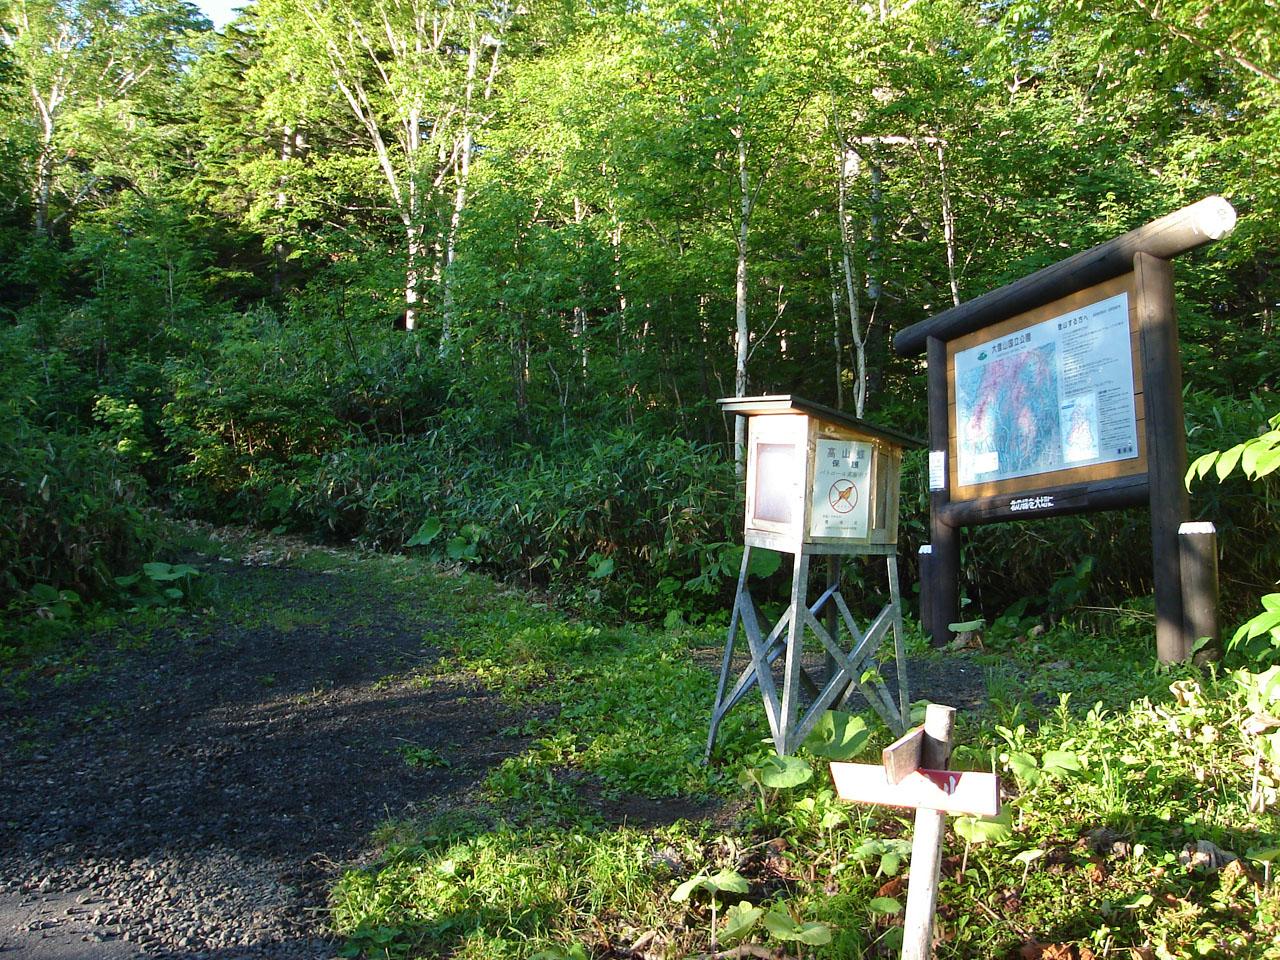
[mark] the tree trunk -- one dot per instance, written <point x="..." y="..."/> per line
<point x="846" y="158"/>
<point x="948" y="227"/>
<point x="743" y="334"/>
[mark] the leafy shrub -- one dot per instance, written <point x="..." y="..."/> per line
<point x="638" y="524"/>
<point x="1258" y="458"/>
<point x="73" y="507"/>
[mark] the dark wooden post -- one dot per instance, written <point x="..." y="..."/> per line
<point x="924" y="575"/>
<point x="943" y="585"/>
<point x="1166" y="447"/>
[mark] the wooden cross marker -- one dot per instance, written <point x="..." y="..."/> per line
<point x="913" y="773"/>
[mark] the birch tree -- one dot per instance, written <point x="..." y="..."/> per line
<point x="415" y="76"/>
<point x="739" y="85"/>
<point x="89" y="68"/>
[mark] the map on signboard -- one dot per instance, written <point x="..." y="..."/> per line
<point x="1051" y="396"/>
<point x="841" y="498"/>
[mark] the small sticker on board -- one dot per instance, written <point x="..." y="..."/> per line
<point x="937" y="470"/>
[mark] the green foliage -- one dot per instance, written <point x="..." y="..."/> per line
<point x="75" y="511"/>
<point x="837" y="736"/>
<point x="160" y="584"/>
<point x="1257" y="641"/>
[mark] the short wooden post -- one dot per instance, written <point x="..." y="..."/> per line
<point x="925" y="558"/>
<point x="926" y="844"/>
<point x="1198" y="554"/>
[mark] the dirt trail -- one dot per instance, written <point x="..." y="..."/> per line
<point x="194" y="797"/>
<point x="196" y="794"/>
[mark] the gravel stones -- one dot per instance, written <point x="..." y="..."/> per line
<point x="195" y="797"/>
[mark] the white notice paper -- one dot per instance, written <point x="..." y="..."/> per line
<point x="937" y="469"/>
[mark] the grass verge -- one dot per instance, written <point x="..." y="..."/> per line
<point x="1140" y="812"/>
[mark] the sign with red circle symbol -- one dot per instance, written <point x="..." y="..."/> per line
<point x="840" y="494"/>
<point x="843" y="496"/>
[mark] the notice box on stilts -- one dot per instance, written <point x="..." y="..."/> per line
<point x="822" y="483"/>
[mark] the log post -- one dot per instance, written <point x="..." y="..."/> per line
<point x="943" y="585"/>
<point x="1166" y="447"/>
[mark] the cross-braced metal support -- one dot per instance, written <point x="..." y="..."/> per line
<point x="792" y="717"/>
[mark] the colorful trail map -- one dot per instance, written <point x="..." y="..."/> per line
<point x="1054" y="395"/>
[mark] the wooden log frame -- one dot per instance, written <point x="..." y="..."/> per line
<point x="1145" y="252"/>
<point x="1177" y="233"/>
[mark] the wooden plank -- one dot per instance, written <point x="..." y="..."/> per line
<point x="943" y="585"/>
<point x="1049" y="502"/>
<point x="970" y="793"/>
<point x="926" y="843"/>
<point x="1180" y="231"/>
<point x="902" y="756"/>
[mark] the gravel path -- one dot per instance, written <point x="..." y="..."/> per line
<point x="195" y="797"/>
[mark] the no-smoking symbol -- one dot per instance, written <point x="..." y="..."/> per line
<point x="843" y="496"/>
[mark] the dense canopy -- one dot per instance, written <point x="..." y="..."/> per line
<point x="472" y="274"/>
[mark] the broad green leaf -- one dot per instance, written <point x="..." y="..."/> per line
<point x="780" y="773"/>
<point x="43" y="593"/>
<point x="1262" y="623"/>
<point x="160" y="571"/>
<point x="728" y="881"/>
<point x="459" y="549"/>
<point x="1265" y="855"/>
<point x="885" y="905"/>
<point x="986" y="829"/>
<point x="764" y="563"/>
<point x="1028" y="856"/>
<point x="1228" y="460"/>
<point x="837" y="736"/>
<point x="740" y="919"/>
<point x="1268" y="462"/>
<point x="1025" y="768"/>
<point x="685" y="890"/>
<point x="427" y="531"/>
<point x="1060" y="761"/>
<point x="782" y="925"/>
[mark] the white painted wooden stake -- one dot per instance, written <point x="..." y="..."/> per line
<point x="926" y="843"/>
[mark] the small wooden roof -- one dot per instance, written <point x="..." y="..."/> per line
<point x="790" y="403"/>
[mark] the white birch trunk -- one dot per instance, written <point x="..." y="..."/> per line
<point x="948" y="227"/>
<point x="742" y="340"/>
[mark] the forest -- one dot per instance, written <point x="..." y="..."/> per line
<point x="467" y="278"/>
<point x="359" y="361"/>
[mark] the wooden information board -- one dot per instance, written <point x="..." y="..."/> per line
<point x="1047" y="404"/>
<point x="1062" y="393"/>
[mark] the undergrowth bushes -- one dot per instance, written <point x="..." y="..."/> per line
<point x="628" y="521"/>
<point x="73" y="507"/>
